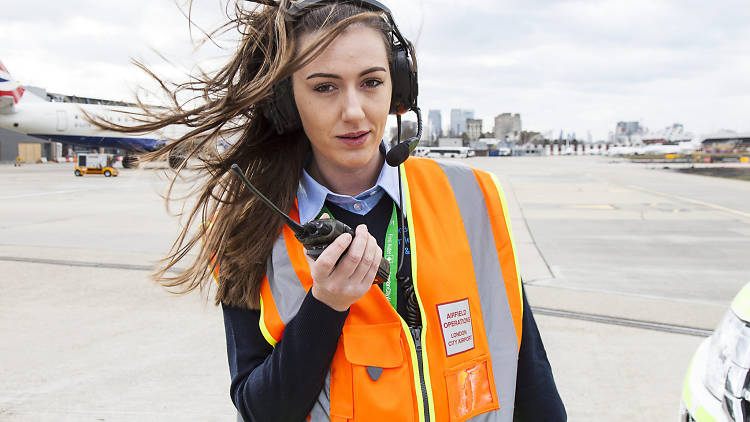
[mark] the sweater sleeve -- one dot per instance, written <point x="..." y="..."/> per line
<point x="281" y="383"/>
<point x="537" y="398"/>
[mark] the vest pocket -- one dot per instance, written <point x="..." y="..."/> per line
<point x="379" y="379"/>
<point x="471" y="389"/>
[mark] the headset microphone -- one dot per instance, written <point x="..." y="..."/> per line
<point x="399" y="153"/>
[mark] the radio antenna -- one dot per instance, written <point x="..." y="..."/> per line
<point x="296" y="227"/>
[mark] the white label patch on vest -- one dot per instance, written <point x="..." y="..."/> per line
<point x="455" y="321"/>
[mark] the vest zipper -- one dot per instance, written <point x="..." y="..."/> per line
<point x="416" y="333"/>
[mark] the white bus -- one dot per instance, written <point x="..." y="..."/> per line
<point x="444" y="152"/>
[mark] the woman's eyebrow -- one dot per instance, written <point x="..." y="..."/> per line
<point x="324" y="75"/>
<point x="334" y="76"/>
<point x="372" y="69"/>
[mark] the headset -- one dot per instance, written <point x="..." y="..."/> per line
<point x="282" y="111"/>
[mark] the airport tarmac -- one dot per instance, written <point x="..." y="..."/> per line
<point x="86" y="335"/>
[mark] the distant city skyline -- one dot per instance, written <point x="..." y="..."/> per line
<point x="578" y="67"/>
<point x="458" y="121"/>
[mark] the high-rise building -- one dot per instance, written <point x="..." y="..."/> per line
<point x="434" y="126"/>
<point x="625" y="131"/>
<point x="508" y="127"/>
<point x="628" y="128"/>
<point x="473" y="129"/>
<point x="458" y="120"/>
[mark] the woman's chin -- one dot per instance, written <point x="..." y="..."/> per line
<point x="359" y="160"/>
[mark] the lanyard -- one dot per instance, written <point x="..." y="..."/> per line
<point x="390" y="252"/>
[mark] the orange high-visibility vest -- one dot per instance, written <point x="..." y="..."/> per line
<point x="462" y="364"/>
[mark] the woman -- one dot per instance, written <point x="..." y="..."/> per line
<point x="306" y="98"/>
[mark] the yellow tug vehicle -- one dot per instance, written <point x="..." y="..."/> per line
<point x="95" y="164"/>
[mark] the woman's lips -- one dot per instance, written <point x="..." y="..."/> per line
<point x="354" y="138"/>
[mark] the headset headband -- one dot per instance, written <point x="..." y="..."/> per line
<point x="299" y="8"/>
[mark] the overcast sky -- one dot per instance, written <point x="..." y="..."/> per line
<point x="575" y="66"/>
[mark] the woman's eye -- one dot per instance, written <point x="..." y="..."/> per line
<point x="372" y="83"/>
<point x="324" y="88"/>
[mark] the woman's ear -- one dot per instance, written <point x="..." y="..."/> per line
<point x="281" y="108"/>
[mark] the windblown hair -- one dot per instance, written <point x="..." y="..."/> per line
<point x="230" y="228"/>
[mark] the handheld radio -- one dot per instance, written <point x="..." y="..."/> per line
<point x="317" y="234"/>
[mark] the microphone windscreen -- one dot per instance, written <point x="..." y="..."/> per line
<point x="397" y="154"/>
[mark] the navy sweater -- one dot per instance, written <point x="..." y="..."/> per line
<point x="282" y="383"/>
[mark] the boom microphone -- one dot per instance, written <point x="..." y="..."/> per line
<point x="402" y="150"/>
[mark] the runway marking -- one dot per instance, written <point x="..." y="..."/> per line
<point x="626" y="322"/>
<point x="71" y="263"/>
<point x="694" y="201"/>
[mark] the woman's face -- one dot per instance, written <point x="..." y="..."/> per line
<point x="343" y="98"/>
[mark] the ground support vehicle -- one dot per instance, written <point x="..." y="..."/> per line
<point x="95" y="164"/>
<point x="717" y="385"/>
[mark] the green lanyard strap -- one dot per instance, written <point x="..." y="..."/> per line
<point x="390" y="253"/>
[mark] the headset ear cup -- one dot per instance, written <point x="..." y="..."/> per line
<point x="281" y="109"/>
<point x="404" y="78"/>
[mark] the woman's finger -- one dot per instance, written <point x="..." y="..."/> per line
<point x="368" y="258"/>
<point x="370" y="276"/>
<point x="326" y="262"/>
<point x="349" y="262"/>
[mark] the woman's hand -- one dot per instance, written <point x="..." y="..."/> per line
<point x="340" y="285"/>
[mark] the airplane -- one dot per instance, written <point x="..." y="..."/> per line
<point x="24" y="112"/>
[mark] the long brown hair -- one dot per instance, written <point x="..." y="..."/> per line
<point x="229" y="227"/>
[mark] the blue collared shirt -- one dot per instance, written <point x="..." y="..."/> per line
<point x="311" y="195"/>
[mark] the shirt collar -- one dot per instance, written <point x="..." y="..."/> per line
<point x="311" y="195"/>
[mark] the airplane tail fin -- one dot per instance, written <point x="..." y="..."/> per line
<point x="10" y="91"/>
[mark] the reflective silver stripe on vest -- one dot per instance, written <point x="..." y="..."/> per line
<point x="322" y="408"/>
<point x="288" y="295"/>
<point x="498" y="321"/>
<point x="285" y="286"/>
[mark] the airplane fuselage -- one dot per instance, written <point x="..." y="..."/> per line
<point x="66" y="123"/>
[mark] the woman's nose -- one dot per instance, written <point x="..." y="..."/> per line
<point x="352" y="107"/>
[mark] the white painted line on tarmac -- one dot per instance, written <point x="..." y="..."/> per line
<point x="694" y="201"/>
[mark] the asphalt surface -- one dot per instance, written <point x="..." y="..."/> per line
<point x="86" y="335"/>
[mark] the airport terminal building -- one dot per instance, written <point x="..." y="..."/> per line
<point x="31" y="150"/>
